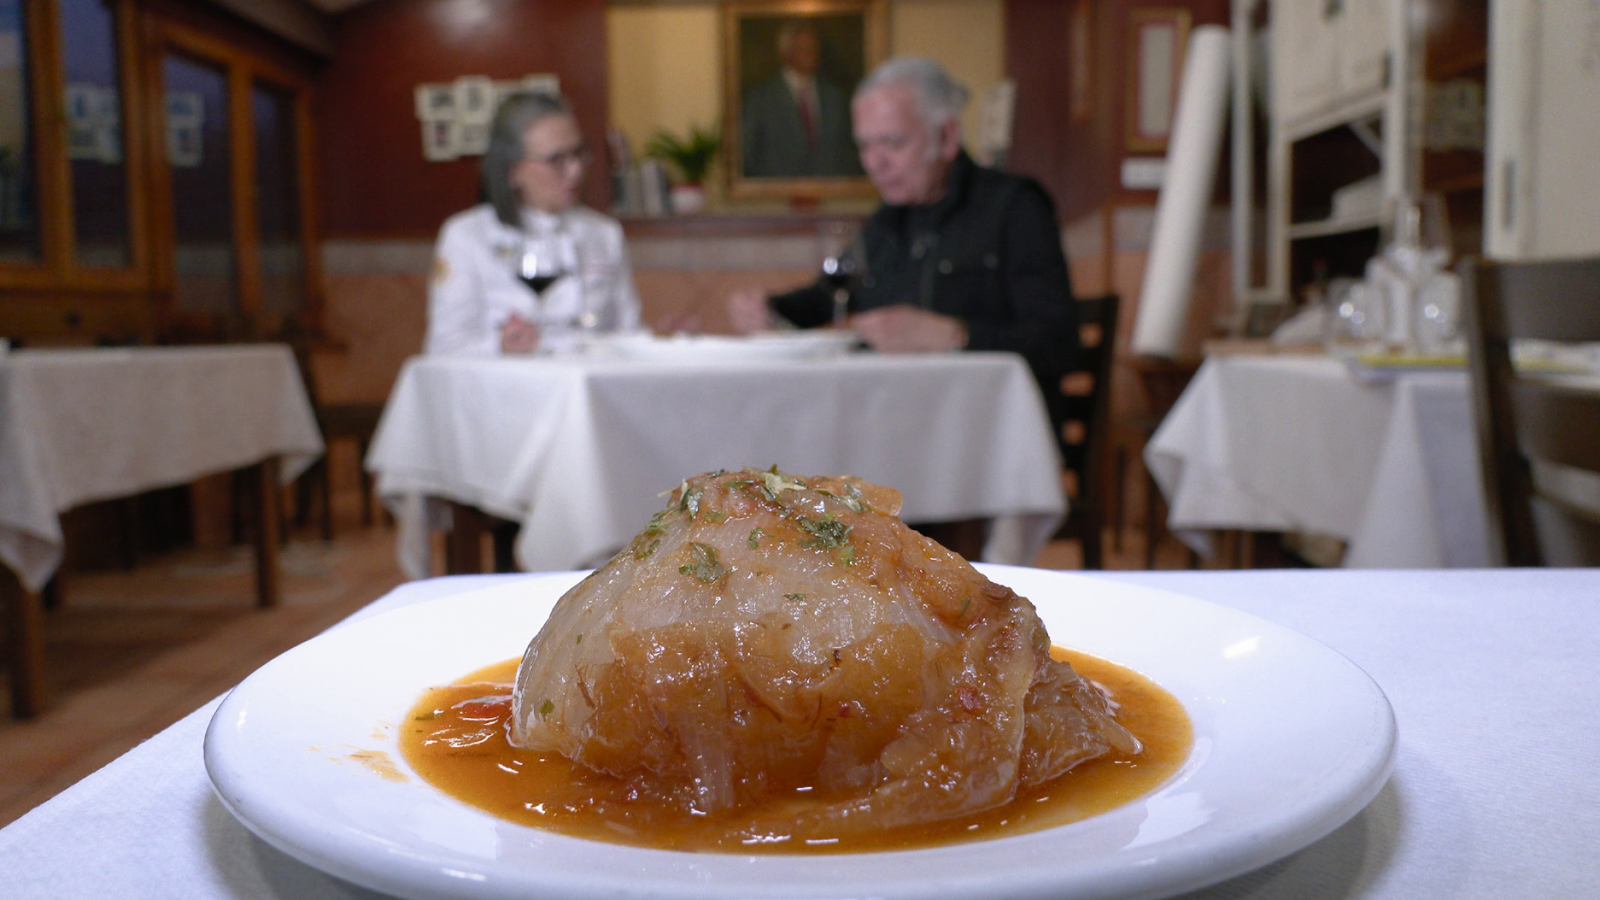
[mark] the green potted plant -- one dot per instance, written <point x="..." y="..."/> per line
<point x="692" y="157"/>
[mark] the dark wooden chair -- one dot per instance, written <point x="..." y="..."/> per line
<point x="1535" y="432"/>
<point x="1082" y="421"/>
<point x="356" y="422"/>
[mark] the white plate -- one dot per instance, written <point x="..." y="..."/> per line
<point x="814" y="344"/>
<point x="1291" y="740"/>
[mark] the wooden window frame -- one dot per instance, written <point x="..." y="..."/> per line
<point x="244" y="69"/>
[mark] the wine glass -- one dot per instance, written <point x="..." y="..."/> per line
<point x="540" y="266"/>
<point x="843" y="263"/>
<point x="1412" y="273"/>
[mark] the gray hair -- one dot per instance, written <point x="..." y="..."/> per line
<point x="511" y="122"/>
<point x="939" y="97"/>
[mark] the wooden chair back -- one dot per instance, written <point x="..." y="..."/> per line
<point x="1538" y="429"/>
<point x="1082" y="420"/>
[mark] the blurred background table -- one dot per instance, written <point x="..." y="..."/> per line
<point x="579" y="449"/>
<point x="90" y="424"/>
<point x="1386" y="462"/>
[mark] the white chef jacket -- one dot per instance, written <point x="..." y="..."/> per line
<point x="474" y="287"/>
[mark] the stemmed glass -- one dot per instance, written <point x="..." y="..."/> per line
<point x="1423" y="296"/>
<point x="843" y="264"/>
<point x="543" y="261"/>
<point x="540" y="266"/>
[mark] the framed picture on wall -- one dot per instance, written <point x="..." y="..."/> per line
<point x="789" y="69"/>
<point x="1157" y="37"/>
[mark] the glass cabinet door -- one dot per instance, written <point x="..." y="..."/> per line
<point x="19" y="207"/>
<point x="95" y="134"/>
<point x="204" y="260"/>
<point x="278" y="214"/>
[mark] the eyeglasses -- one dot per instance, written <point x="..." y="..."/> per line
<point x="561" y="159"/>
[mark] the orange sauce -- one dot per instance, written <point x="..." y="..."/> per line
<point x="455" y="738"/>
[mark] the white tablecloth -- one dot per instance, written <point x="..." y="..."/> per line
<point x="1492" y="675"/>
<point x="1291" y="443"/>
<point x="84" y="425"/>
<point x="579" y="450"/>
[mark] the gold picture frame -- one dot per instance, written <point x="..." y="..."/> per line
<point x="1157" y="40"/>
<point x="764" y="157"/>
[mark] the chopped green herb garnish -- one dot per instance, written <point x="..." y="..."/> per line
<point x="795" y="597"/>
<point x="756" y="534"/>
<point x="704" y="566"/>
<point x="964" y="604"/>
<point x="847" y="555"/>
<point x="546" y="708"/>
<point x="716" y="515"/>
<point x="690" y="502"/>
<point x="579" y="639"/>
<point x="826" y="532"/>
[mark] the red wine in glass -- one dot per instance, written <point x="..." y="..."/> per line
<point x="540" y="283"/>
<point x="538" y="271"/>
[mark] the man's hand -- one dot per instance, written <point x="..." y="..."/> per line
<point x="909" y="329"/>
<point x="748" y="312"/>
<point x="518" y="335"/>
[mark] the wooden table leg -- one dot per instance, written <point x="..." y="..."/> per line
<point x="463" y="553"/>
<point x="268" y="567"/>
<point x="25" y="653"/>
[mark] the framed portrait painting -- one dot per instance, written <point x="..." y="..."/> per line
<point x="789" y="70"/>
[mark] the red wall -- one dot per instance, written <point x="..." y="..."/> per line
<point x="374" y="180"/>
<point x="1080" y="162"/>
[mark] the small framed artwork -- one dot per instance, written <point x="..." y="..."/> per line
<point x="439" y="140"/>
<point x="543" y="83"/>
<point x="1157" y="39"/>
<point x="436" y="102"/>
<point x="475" y="99"/>
<point x="792" y="144"/>
<point x="472" y="138"/>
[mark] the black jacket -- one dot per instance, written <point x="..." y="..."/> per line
<point x="988" y="252"/>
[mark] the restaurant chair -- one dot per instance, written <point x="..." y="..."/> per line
<point x="356" y="422"/>
<point x="1538" y="430"/>
<point x="1082" y="421"/>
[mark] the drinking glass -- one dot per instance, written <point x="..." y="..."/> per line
<point x="1357" y="318"/>
<point x="1411" y="272"/>
<point x="540" y="265"/>
<point x="843" y="264"/>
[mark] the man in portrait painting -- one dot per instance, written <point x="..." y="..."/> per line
<point x="796" y="124"/>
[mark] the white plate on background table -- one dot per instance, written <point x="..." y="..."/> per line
<point x="1290" y="741"/>
<point x="818" y="343"/>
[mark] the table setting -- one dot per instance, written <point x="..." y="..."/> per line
<point x="574" y="446"/>
<point x="1365" y="432"/>
<point x="1331" y="759"/>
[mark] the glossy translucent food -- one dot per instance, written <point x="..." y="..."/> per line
<point x="768" y="637"/>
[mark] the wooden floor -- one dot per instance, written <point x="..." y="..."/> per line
<point x="130" y="652"/>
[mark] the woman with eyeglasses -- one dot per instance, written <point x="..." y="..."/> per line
<point x="530" y="268"/>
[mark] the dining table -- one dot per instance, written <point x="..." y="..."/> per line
<point x="1383" y="459"/>
<point x="1490" y="674"/>
<point x="79" y="425"/>
<point x="580" y="448"/>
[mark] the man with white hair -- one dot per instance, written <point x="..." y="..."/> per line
<point x="958" y="256"/>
